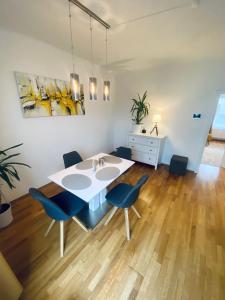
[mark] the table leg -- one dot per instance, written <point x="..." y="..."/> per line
<point x="94" y="203"/>
<point x="102" y="195"/>
<point x="92" y="214"/>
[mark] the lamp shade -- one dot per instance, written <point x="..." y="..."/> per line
<point x="106" y="91"/>
<point x="75" y="86"/>
<point x="93" y="88"/>
<point x="157" y="118"/>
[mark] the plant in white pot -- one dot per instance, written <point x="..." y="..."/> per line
<point x="8" y="174"/>
<point x="139" y="110"/>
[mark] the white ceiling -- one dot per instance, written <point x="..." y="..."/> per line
<point x="182" y="34"/>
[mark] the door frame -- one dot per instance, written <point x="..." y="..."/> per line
<point x="211" y="118"/>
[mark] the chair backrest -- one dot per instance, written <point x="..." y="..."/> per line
<point x="51" y="209"/>
<point x="133" y="194"/>
<point x="71" y="158"/>
<point x="123" y="152"/>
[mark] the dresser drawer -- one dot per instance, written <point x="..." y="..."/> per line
<point x="153" y="142"/>
<point x="143" y="141"/>
<point x="144" y="157"/>
<point x="143" y="148"/>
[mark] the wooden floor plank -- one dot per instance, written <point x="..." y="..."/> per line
<point x="177" y="248"/>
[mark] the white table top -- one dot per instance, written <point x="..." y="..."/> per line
<point x="97" y="185"/>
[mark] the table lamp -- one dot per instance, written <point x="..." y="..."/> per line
<point x="156" y="120"/>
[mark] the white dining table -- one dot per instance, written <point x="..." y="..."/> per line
<point x="94" y="194"/>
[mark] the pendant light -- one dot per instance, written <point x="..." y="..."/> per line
<point x="74" y="78"/>
<point x="92" y="79"/>
<point x="106" y="84"/>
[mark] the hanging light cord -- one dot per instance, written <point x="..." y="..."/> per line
<point x="71" y="35"/>
<point x="106" y="47"/>
<point x="92" y="55"/>
<point x="159" y="12"/>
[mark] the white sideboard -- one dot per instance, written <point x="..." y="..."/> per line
<point x="146" y="148"/>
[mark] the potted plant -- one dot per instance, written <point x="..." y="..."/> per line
<point x="139" y="110"/>
<point x="8" y="173"/>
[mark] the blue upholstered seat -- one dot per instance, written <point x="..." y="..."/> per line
<point x="71" y="158"/>
<point x="61" y="207"/>
<point x="69" y="203"/>
<point x="123" y="152"/>
<point x="117" y="195"/>
<point x="124" y="196"/>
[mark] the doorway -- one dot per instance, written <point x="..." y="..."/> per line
<point x="214" y="151"/>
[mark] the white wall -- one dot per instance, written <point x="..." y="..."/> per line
<point x="46" y="139"/>
<point x="176" y="91"/>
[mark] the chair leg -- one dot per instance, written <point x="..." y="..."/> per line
<point x="61" y="223"/>
<point x="79" y="223"/>
<point x="49" y="227"/>
<point x="111" y="215"/>
<point x="136" y="212"/>
<point x="127" y="223"/>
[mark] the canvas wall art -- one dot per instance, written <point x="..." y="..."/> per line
<point x="44" y="97"/>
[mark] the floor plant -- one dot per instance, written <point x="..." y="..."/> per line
<point x="8" y="175"/>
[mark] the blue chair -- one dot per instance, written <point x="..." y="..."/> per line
<point x="60" y="207"/>
<point x="123" y="152"/>
<point x="71" y="158"/>
<point x="124" y="196"/>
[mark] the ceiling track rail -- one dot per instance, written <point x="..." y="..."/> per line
<point x="90" y="13"/>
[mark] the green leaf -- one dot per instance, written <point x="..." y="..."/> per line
<point x="144" y="96"/>
<point x="6" y="178"/>
<point x="13" y="147"/>
<point x="21" y="164"/>
<point x="8" y="171"/>
<point x="12" y="172"/>
<point x="8" y="157"/>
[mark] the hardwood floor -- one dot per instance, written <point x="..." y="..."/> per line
<point x="213" y="154"/>
<point x="177" y="248"/>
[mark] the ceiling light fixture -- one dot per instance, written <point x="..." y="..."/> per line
<point x="106" y="84"/>
<point x="74" y="78"/>
<point x="92" y="79"/>
<point x="90" y="13"/>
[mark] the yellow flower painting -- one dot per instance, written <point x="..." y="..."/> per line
<point x="44" y="97"/>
